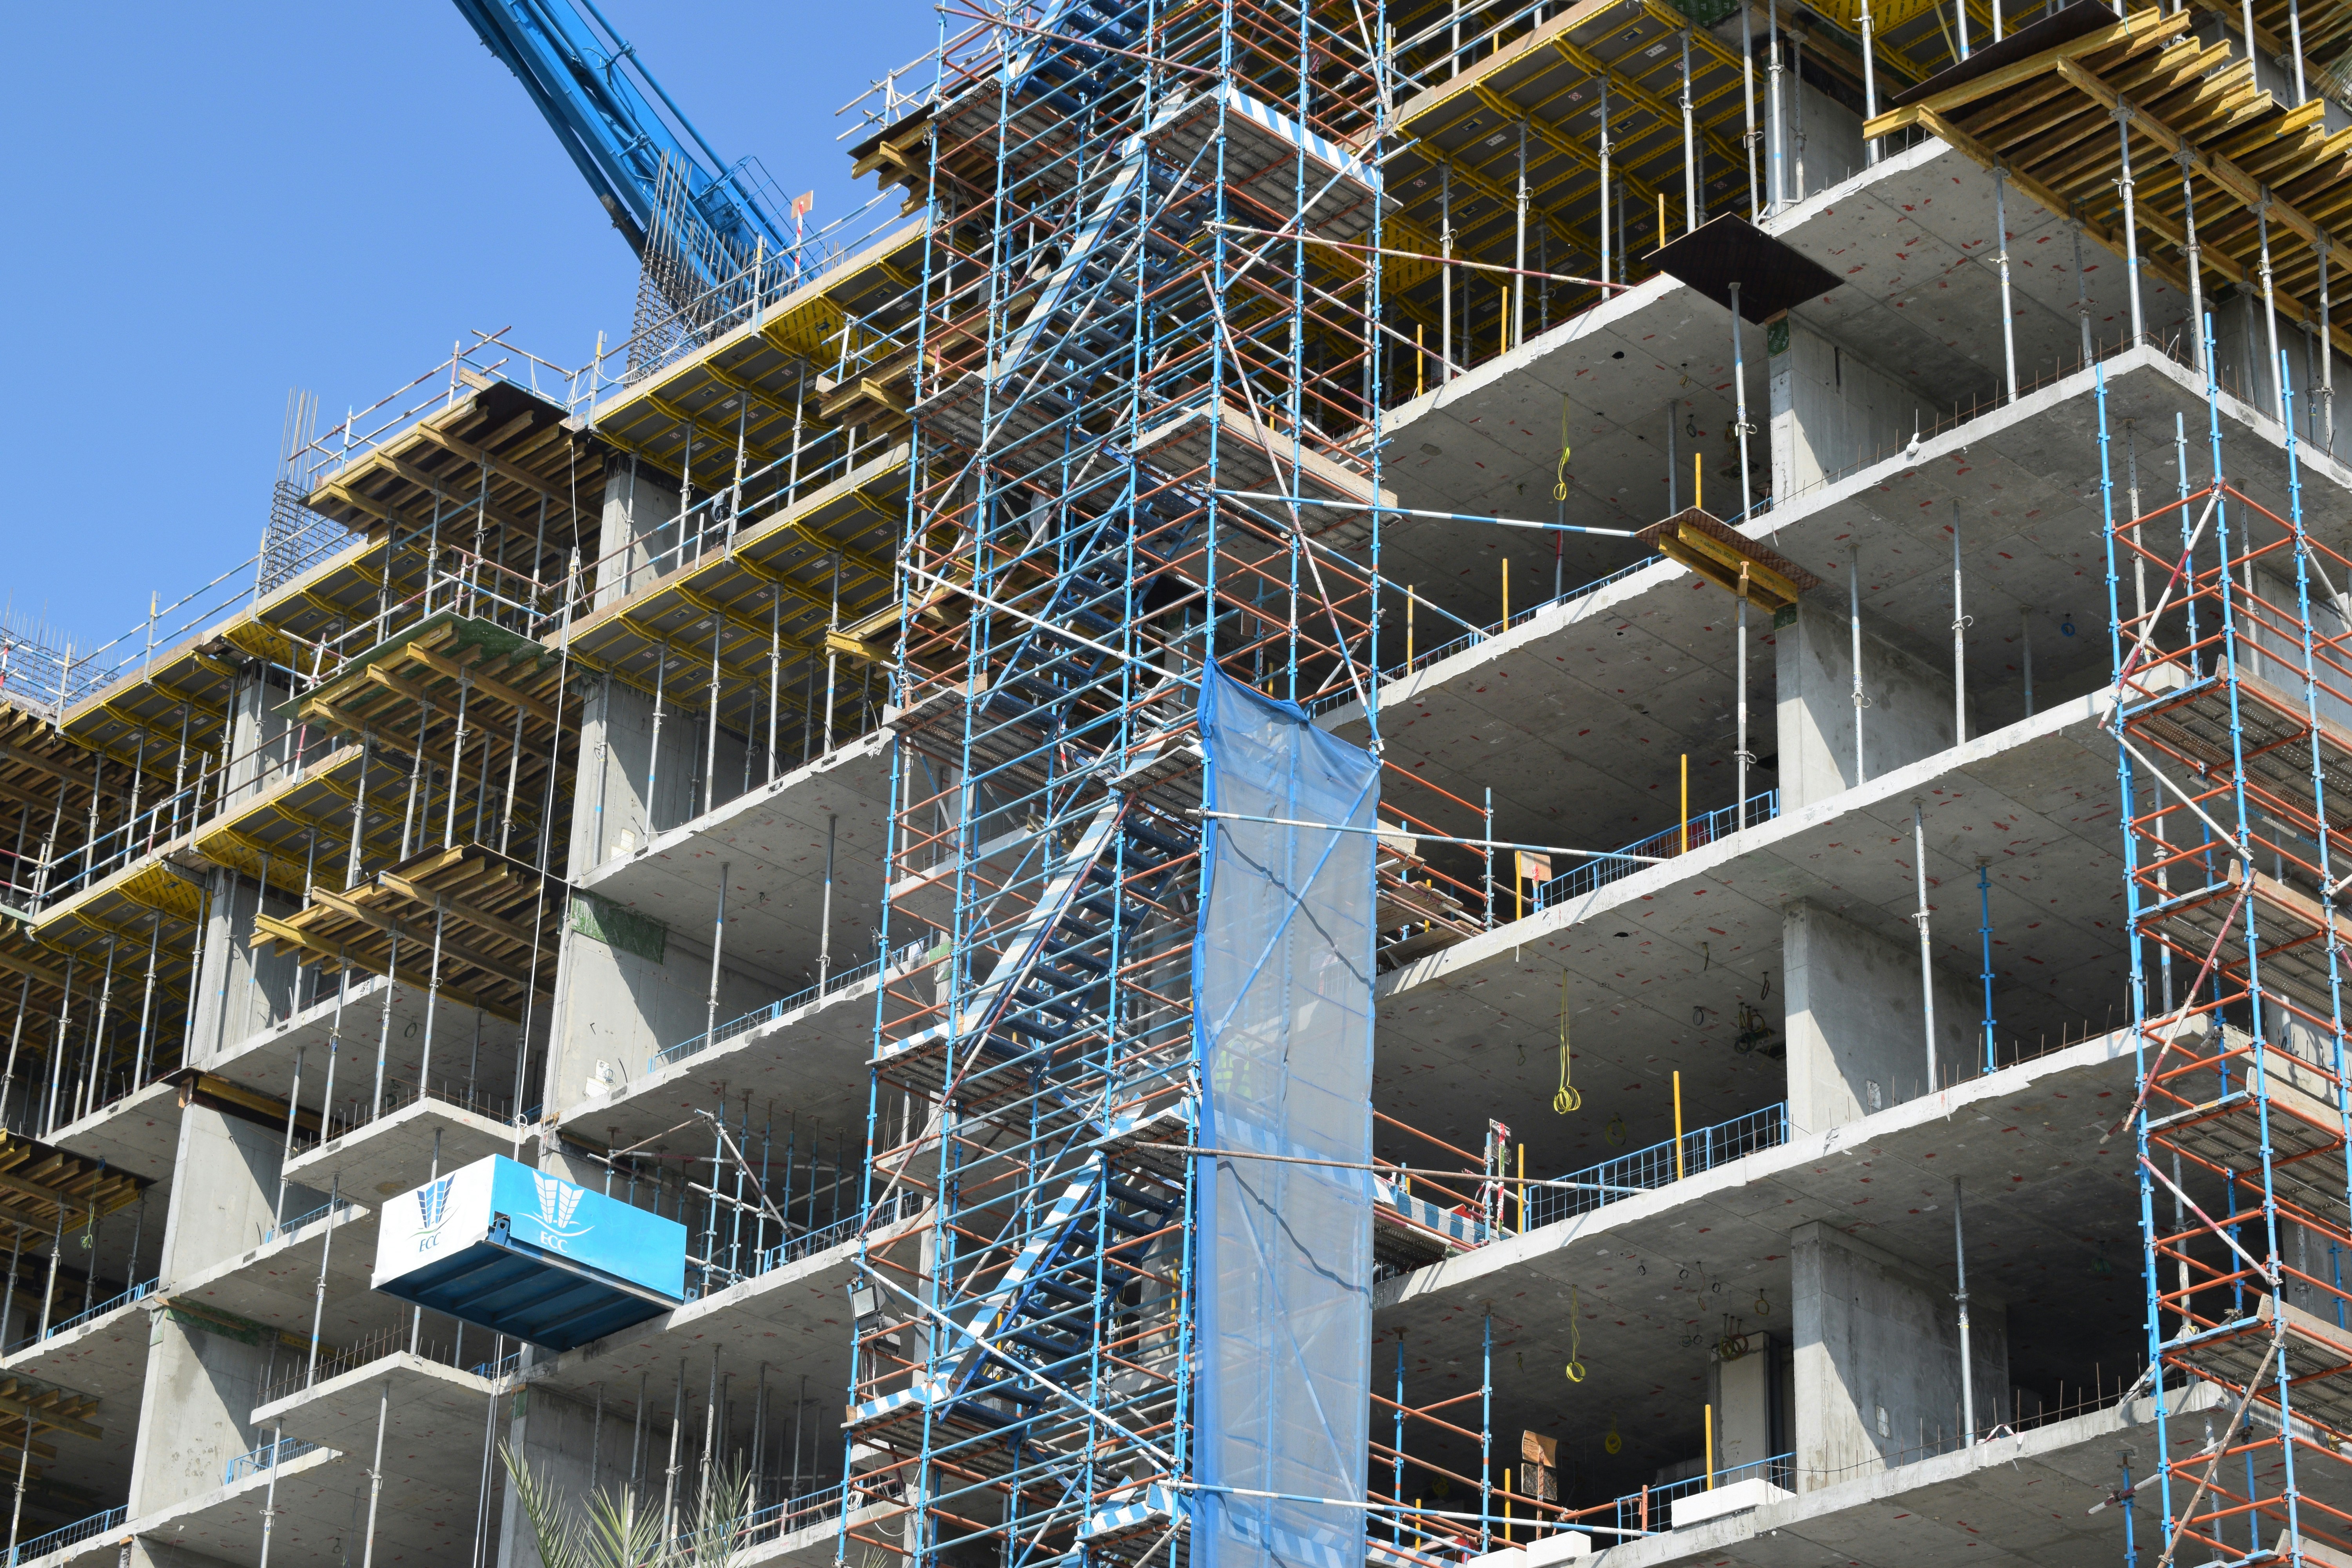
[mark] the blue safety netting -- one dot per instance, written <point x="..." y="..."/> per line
<point x="1282" y="999"/>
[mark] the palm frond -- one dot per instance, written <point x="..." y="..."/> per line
<point x="551" y="1525"/>
<point x="620" y="1534"/>
<point x="720" y="1516"/>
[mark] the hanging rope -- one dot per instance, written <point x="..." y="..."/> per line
<point x="1559" y="478"/>
<point x="1575" y="1337"/>
<point x="1569" y="1096"/>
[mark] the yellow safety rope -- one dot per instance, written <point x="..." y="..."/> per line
<point x="1560" y="480"/>
<point x="1569" y="1098"/>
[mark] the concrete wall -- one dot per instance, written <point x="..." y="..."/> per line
<point x="1751" y="1395"/>
<point x="1909" y="715"/>
<point x="1878" y="1359"/>
<point x="636" y="543"/>
<point x="1853" y="1019"/>
<point x="1823" y="134"/>
<point x="1831" y="410"/>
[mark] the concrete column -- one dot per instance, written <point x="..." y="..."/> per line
<point x="636" y="544"/>
<point x="557" y="1436"/>
<point x="203" y="1383"/>
<point x="1878" y="1358"/>
<point x="238" y="992"/>
<point x="204" y="1378"/>
<point x="258" y="753"/>
<point x="220" y="958"/>
<point x="1857" y="1041"/>
<point x="1831" y="409"/>
<point x="1909" y="714"/>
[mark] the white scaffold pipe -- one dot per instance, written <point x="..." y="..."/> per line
<point x="1198" y="815"/>
<point x="1438" y="516"/>
<point x="1561" y="1183"/>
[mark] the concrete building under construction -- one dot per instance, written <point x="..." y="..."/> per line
<point x="1389" y="786"/>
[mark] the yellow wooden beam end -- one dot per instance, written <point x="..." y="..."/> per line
<point x="857" y="647"/>
<point x="1759" y="576"/>
<point x="442" y="664"/>
<point x="1714" y="571"/>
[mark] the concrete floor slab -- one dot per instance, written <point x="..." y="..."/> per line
<point x="1581" y="708"/>
<point x="2024" y="1500"/>
<point x="139" y="1132"/>
<point x="276" y="1282"/>
<point x="105" y="1356"/>
<point x="432" y="1418"/>
<point x="322" y="1506"/>
<point x="1911" y="238"/>
<point x="359" y="1018"/>
<point x="792" y="1322"/>
<point x="396" y="1153"/>
<point x="812" y="1545"/>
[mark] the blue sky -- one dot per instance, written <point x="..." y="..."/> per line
<point x="213" y="203"/>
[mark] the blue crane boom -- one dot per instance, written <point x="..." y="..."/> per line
<point x="621" y="129"/>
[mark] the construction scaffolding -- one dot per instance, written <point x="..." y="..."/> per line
<point x="1142" y="379"/>
<point x="2232" y="680"/>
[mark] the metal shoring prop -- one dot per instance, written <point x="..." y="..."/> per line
<point x="1747" y="137"/>
<point x="1869" y="85"/>
<point x="1861" y="699"/>
<point x="1927" y="953"/>
<point x="2191" y="256"/>
<point x="2001" y="257"/>
<point x="1740" y="395"/>
<point x="2123" y="117"/>
<point x="375" y="1470"/>
<point x="710" y="751"/>
<point x="383" y="1036"/>
<point x="1960" y="619"/>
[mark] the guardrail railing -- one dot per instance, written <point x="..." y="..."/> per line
<point x="267" y="1455"/>
<point x="73" y="1534"/>
<point x="1647" y="1170"/>
<point x="88" y="1314"/>
<point x="1684" y="836"/>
